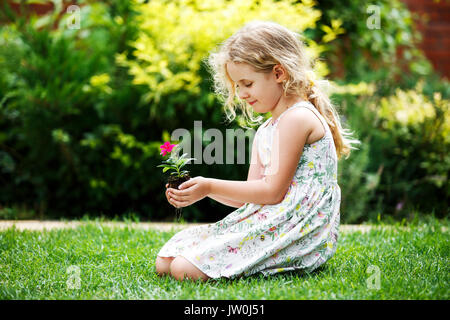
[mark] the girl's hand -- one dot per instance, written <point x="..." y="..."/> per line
<point x="189" y="192"/>
<point x="167" y="194"/>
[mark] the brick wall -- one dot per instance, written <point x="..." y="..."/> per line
<point x="435" y="30"/>
<point x="39" y="8"/>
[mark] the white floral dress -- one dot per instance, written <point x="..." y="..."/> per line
<point x="299" y="233"/>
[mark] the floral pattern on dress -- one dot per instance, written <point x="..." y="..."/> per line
<point x="299" y="233"/>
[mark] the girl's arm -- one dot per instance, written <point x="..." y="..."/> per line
<point x="225" y="201"/>
<point x="195" y="189"/>
<point x="287" y="147"/>
<point x="255" y="172"/>
<point x="254" y="191"/>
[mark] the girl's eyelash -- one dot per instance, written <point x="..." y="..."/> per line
<point x="247" y="85"/>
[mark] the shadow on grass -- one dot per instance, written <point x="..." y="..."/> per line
<point x="278" y="277"/>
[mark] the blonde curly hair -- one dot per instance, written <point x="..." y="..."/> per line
<point x="263" y="45"/>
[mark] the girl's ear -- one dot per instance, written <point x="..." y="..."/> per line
<point x="280" y="73"/>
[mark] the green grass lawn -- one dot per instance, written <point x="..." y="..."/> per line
<point x="114" y="263"/>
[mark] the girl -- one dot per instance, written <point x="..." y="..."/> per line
<point x="288" y="209"/>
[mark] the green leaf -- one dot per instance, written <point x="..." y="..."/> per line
<point x="181" y="163"/>
<point x="171" y="161"/>
<point x="167" y="166"/>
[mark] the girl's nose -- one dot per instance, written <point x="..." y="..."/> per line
<point x="243" y="95"/>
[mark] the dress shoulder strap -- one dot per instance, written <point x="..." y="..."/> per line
<point x="265" y="124"/>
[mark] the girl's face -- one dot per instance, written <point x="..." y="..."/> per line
<point x="262" y="91"/>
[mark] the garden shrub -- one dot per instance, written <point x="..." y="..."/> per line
<point x="177" y="36"/>
<point x="60" y="87"/>
<point x="403" y="163"/>
<point x="411" y="140"/>
<point x="380" y="43"/>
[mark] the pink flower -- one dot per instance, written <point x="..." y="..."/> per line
<point x="304" y="200"/>
<point x="174" y="162"/>
<point x="233" y="250"/>
<point x="166" y="148"/>
<point x="262" y="216"/>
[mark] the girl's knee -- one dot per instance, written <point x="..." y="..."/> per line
<point x="180" y="268"/>
<point x="162" y="265"/>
